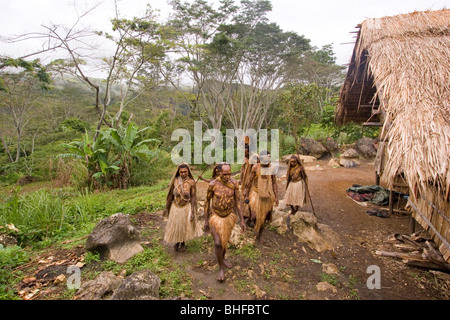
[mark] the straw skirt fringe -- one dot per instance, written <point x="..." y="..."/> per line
<point x="179" y="228"/>
<point x="261" y="208"/>
<point x="223" y="226"/>
<point x="296" y="194"/>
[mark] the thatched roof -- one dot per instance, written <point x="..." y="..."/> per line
<point x="402" y="63"/>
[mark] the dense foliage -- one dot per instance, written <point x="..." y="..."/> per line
<point x="79" y="135"/>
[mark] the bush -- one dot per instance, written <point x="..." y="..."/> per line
<point x="10" y="257"/>
<point x="352" y="132"/>
<point x="150" y="172"/>
<point x="48" y="214"/>
<point x="75" y="124"/>
<point x="37" y="215"/>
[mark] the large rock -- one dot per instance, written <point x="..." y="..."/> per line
<point x="331" y="146"/>
<point x="238" y="239"/>
<point x="312" y="148"/>
<point x="334" y="163"/>
<point x="318" y="237"/>
<point x="366" y="147"/>
<point x="350" y="154"/>
<point x="279" y="219"/>
<point x="115" y="238"/>
<point x="348" y="163"/>
<point x="141" y="285"/>
<point x="349" y="158"/>
<point x="98" y="288"/>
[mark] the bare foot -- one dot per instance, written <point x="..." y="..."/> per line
<point x="221" y="276"/>
<point x="227" y="264"/>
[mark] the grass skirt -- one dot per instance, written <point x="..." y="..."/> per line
<point x="296" y="194"/>
<point x="223" y="227"/>
<point x="179" y="228"/>
<point x="261" y="208"/>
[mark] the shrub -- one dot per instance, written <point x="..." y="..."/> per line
<point x="10" y="257"/>
<point x="75" y="124"/>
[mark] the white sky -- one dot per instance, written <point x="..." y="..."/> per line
<point x="321" y="21"/>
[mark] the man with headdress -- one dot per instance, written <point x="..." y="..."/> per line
<point x="222" y="205"/>
<point x="181" y="206"/>
<point x="295" y="196"/>
<point x="262" y="192"/>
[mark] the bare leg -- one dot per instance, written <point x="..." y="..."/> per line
<point x="226" y="263"/>
<point x="259" y="233"/>
<point x="219" y="254"/>
<point x="251" y="217"/>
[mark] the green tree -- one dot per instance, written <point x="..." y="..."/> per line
<point x="20" y="92"/>
<point x="195" y="25"/>
<point x="319" y="66"/>
<point x="302" y="107"/>
<point x="138" y="43"/>
<point x="32" y="69"/>
<point x="127" y="144"/>
<point x="108" y="159"/>
<point x="94" y="156"/>
<point x="267" y="55"/>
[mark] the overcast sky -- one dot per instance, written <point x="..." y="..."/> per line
<point x="321" y="21"/>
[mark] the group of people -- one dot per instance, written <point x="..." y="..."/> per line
<point x="252" y="199"/>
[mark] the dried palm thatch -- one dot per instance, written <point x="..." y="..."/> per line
<point x="405" y="59"/>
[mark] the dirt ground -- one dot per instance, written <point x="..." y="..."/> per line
<point x="282" y="268"/>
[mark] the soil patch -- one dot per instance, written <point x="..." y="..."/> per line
<point x="282" y="268"/>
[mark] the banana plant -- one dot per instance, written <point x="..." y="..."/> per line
<point x="109" y="158"/>
<point x="127" y="144"/>
<point x="95" y="156"/>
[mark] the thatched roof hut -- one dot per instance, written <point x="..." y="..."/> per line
<point x="399" y="77"/>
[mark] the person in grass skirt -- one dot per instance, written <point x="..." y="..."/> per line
<point x="181" y="208"/>
<point x="295" y="196"/>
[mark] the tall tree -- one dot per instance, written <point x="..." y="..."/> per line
<point x="301" y="105"/>
<point x="266" y="62"/>
<point x="20" y="89"/>
<point x="319" y="66"/>
<point x="196" y="24"/>
<point x="137" y="42"/>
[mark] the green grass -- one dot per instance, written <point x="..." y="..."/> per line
<point x="48" y="215"/>
<point x="200" y="244"/>
<point x="10" y="257"/>
<point x="330" y="278"/>
<point x="248" y="251"/>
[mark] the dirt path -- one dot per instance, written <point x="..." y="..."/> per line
<point x="283" y="268"/>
